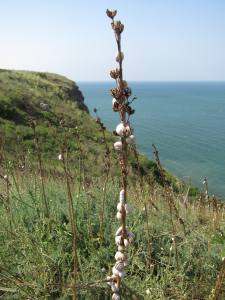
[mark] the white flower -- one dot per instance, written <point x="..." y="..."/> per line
<point x="60" y="157"/>
<point x="5" y="176"/>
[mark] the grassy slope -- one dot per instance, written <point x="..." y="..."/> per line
<point x="21" y="93"/>
<point x="35" y="251"/>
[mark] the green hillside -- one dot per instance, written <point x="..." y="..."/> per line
<point x="57" y="107"/>
<point x="179" y="237"/>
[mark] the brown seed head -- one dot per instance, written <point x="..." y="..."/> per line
<point x="116" y="93"/>
<point x="118" y="27"/>
<point x="111" y="13"/>
<point x="115" y="73"/>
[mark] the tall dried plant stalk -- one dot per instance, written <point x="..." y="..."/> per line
<point x="121" y="103"/>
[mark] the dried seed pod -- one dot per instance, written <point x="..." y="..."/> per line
<point x="115" y="296"/>
<point x="115" y="73"/>
<point x="116" y="93"/>
<point x="118" y="146"/>
<point x="111" y="13"/>
<point x="118" y="27"/>
<point x="130" y="139"/>
<point x="120" y="57"/>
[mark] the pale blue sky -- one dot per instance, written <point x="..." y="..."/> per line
<point x="163" y="39"/>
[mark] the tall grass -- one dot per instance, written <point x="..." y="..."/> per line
<point x="37" y="257"/>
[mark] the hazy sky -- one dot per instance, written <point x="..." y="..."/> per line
<point x="163" y="39"/>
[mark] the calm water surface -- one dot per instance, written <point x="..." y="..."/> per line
<point x="185" y="120"/>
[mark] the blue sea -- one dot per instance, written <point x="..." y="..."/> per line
<point x="185" y="120"/>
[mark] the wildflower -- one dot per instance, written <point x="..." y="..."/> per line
<point x="5" y="176"/>
<point x="60" y="157"/>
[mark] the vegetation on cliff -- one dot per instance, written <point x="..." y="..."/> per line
<point x="180" y="240"/>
